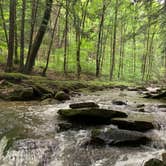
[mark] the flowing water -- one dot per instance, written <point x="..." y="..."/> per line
<point x="29" y="137"/>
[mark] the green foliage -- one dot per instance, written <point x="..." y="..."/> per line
<point x="142" y="23"/>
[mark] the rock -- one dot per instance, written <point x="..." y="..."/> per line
<point x="50" y="101"/>
<point x="90" y="115"/>
<point x="135" y="122"/>
<point x="116" y="137"/>
<point x="140" y="105"/>
<point x="164" y="157"/>
<point x="154" y="162"/>
<point x="157" y="95"/>
<point x="162" y="106"/>
<point x="42" y="92"/>
<point x="19" y="94"/>
<point x="118" y="102"/>
<point x="63" y="126"/>
<point x="84" y="105"/>
<point x="62" y="96"/>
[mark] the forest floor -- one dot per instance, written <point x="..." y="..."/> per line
<point x="17" y="86"/>
<point x="56" y="85"/>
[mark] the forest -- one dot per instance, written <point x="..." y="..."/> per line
<point x="82" y="82"/>
<point x="116" y="40"/>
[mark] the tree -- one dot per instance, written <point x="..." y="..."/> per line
<point x="114" y="41"/>
<point x="9" y="65"/>
<point x="22" y="36"/>
<point x="38" y="39"/>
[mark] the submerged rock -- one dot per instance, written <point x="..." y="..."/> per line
<point x="119" y="102"/>
<point x="62" y="96"/>
<point x="63" y="126"/>
<point x="90" y="115"/>
<point x="116" y="137"/>
<point x="84" y="105"/>
<point x="160" y="94"/>
<point x="137" y="123"/>
<point x="154" y="162"/>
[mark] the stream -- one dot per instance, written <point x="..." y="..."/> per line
<point x="29" y="134"/>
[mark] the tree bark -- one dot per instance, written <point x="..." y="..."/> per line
<point x="4" y="23"/>
<point x="51" y="42"/>
<point x="9" y="65"/>
<point x="38" y="39"/>
<point x="99" y="43"/>
<point x="22" y="36"/>
<point x="114" y="41"/>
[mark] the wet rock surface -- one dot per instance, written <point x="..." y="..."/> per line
<point x="119" y="102"/>
<point x="116" y="137"/>
<point x="154" y="162"/>
<point x="138" y="123"/>
<point x="90" y="115"/>
<point x="61" y="96"/>
<point x="84" y="105"/>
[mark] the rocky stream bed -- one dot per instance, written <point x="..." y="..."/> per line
<point x="35" y="133"/>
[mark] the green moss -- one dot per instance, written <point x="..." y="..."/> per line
<point x="13" y="76"/>
<point x="95" y="132"/>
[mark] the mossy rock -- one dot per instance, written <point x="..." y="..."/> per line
<point x="137" y="122"/>
<point x="13" y="77"/>
<point x="90" y="115"/>
<point x="62" y="96"/>
<point x="20" y="94"/>
<point x="154" y="162"/>
<point x="84" y="105"/>
<point x="116" y="137"/>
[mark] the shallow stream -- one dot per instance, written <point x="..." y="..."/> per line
<point x="29" y="134"/>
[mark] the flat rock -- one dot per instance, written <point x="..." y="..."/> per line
<point x="18" y="94"/>
<point x="90" y="115"/>
<point x="154" y="162"/>
<point x="137" y="122"/>
<point x="119" y="102"/>
<point x="117" y="137"/>
<point x="84" y="105"/>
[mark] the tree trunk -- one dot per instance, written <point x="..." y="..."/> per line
<point x="22" y="36"/>
<point x="38" y="39"/>
<point x="99" y="43"/>
<point x="114" y="42"/>
<point x="33" y="21"/>
<point x="4" y="23"/>
<point x="51" y="42"/>
<point x="9" y="65"/>
<point x="66" y="38"/>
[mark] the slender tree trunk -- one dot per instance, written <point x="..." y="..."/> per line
<point x="38" y="39"/>
<point x="4" y="23"/>
<point x="51" y="42"/>
<point x="34" y="7"/>
<point x="22" y="36"/>
<point x="114" y="42"/>
<point x="9" y="65"/>
<point x="79" y="27"/>
<point x="66" y="38"/>
<point x="99" y="43"/>
<point x="16" y="60"/>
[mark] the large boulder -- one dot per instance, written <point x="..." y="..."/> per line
<point x="90" y="115"/>
<point x="84" y="105"/>
<point x="18" y="94"/>
<point x="137" y="122"/>
<point x="61" y="95"/>
<point x="154" y="162"/>
<point x="116" y="137"/>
